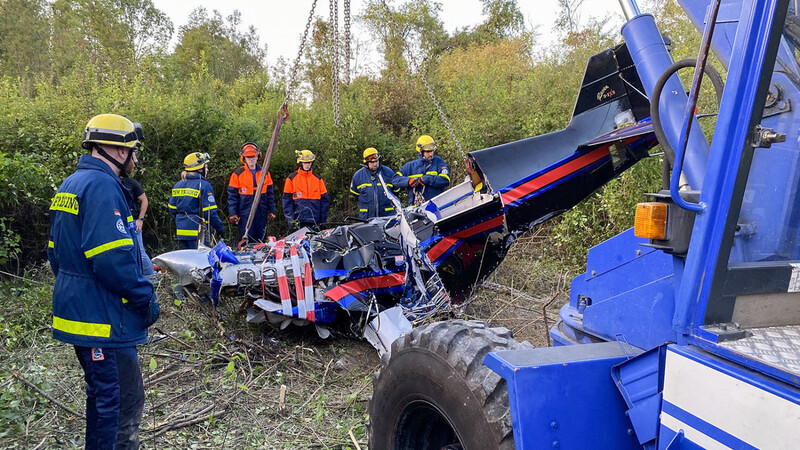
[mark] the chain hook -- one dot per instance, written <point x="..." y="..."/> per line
<point x="242" y="243"/>
<point x="285" y="110"/>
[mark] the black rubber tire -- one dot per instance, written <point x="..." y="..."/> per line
<point x="434" y="392"/>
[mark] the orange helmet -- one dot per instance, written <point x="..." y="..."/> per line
<point x="249" y="149"/>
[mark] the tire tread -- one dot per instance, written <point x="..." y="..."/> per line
<point x="464" y="345"/>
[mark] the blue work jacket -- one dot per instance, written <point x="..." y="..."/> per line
<point x="185" y="205"/>
<point x="100" y="297"/>
<point x="434" y="174"/>
<point x="372" y="200"/>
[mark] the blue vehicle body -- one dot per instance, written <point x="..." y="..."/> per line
<point x="694" y="350"/>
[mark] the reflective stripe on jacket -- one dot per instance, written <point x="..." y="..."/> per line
<point x="185" y="203"/>
<point x="372" y="200"/>
<point x="241" y="193"/>
<point x="100" y="298"/>
<point x="305" y="198"/>
<point x="434" y="174"/>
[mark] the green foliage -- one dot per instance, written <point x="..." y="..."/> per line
<point x="485" y="88"/>
<point x="17" y="402"/>
<point x="414" y="24"/>
<point x="148" y="28"/>
<point x="504" y="20"/>
<point x="209" y="43"/>
<point x="27" y="187"/>
<point x="320" y="406"/>
<point x="23" y="47"/>
<point x="9" y="241"/>
<point x="21" y="314"/>
<point x="606" y="213"/>
<point x="213" y="93"/>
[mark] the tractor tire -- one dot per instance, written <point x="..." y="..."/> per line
<point x="433" y="391"/>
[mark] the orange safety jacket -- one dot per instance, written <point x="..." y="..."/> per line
<point x="241" y="193"/>
<point x="305" y="198"/>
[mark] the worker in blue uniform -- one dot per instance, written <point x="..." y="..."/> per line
<point x="367" y="188"/>
<point x="193" y="203"/>
<point x="138" y="206"/>
<point x="425" y="177"/>
<point x="102" y="304"/>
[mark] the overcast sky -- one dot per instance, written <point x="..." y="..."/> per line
<point x="280" y="23"/>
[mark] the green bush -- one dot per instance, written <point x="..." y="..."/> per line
<point x="604" y="214"/>
<point x="494" y="90"/>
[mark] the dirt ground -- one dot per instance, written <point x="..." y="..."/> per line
<point x="231" y="384"/>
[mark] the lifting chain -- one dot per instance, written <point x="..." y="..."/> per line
<point x="347" y="42"/>
<point x="334" y="23"/>
<point x="292" y="78"/>
<point x="413" y="62"/>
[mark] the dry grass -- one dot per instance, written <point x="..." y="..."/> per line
<point x="219" y="386"/>
<point x="528" y="292"/>
<point x="206" y="386"/>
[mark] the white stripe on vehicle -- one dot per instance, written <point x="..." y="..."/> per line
<point x="737" y="407"/>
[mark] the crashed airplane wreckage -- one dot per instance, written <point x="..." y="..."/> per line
<point x="377" y="279"/>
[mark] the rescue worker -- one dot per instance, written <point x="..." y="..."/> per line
<point x="138" y="206"/>
<point x="102" y="304"/>
<point x="367" y="188"/>
<point x="191" y="197"/>
<point x="242" y="191"/>
<point x="305" y="198"/>
<point x="425" y="177"/>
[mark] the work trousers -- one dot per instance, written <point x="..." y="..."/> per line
<point x="191" y="244"/>
<point x="114" y="397"/>
<point x="310" y="225"/>
<point x="188" y="244"/>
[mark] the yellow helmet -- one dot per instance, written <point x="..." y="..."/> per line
<point x="305" y="156"/>
<point x="426" y="143"/>
<point x="112" y="129"/>
<point x="195" y="161"/>
<point x="371" y="154"/>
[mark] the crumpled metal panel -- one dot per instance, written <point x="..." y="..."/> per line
<point x="182" y="262"/>
<point x="387" y="327"/>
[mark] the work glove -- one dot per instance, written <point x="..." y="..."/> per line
<point x="414" y="182"/>
<point x="271" y="216"/>
<point x="153" y="312"/>
<point x="234" y="219"/>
